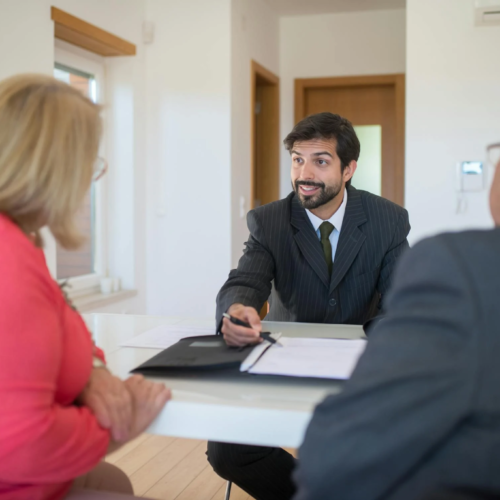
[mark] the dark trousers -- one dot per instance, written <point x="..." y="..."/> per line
<point x="265" y="473"/>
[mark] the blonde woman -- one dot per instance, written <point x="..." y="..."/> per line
<point x="61" y="410"/>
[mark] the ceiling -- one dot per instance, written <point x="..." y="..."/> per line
<point x="306" y="7"/>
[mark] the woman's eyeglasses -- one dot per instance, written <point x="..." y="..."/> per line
<point x="493" y="151"/>
<point x="100" y="168"/>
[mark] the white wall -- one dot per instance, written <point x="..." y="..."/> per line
<point x="188" y="155"/>
<point x="27" y="45"/>
<point x="20" y="53"/>
<point x="179" y="136"/>
<point x="453" y="111"/>
<point x="328" y="45"/>
<point x="254" y="35"/>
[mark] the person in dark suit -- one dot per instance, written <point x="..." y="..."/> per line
<point x="421" y="412"/>
<point x="324" y="254"/>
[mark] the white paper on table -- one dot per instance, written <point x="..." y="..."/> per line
<point x="306" y="357"/>
<point x="165" y="336"/>
<point x="257" y="352"/>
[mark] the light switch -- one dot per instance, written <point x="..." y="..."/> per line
<point x="243" y="210"/>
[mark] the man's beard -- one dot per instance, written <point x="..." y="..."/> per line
<point x="325" y="195"/>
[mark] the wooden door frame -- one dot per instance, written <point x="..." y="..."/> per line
<point x="259" y="71"/>
<point x="397" y="80"/>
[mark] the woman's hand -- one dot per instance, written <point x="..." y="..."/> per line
<point x="149" y="398"/>
<point x="111" y="402"/>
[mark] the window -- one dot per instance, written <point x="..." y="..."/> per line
<point x="368" y="176"/>
<point x="80" y="262"/>
<point x="83" y="268"/>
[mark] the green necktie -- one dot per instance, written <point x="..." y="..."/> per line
<point x="325" y="230"/>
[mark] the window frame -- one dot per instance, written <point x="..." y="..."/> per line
<point x="81" y="60"/>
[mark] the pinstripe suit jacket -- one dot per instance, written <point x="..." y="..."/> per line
<point x="283" y="261"/>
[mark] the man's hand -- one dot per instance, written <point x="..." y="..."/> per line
<point x="110" y="401"/>
<point x="235" y="335"/>
<point x="148" y="398"/>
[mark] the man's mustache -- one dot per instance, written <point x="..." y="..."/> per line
<point x="309" y="183"/>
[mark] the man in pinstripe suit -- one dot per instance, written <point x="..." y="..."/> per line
<point x="324" y="254"/>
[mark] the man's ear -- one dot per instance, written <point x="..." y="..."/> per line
<point x="349" y="170"/>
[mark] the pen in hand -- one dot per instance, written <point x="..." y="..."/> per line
<point x="263" y="335"/>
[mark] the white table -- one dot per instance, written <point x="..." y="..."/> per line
<point x="258" y="410"/>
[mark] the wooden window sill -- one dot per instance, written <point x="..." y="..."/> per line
<point x="87" y="303"/>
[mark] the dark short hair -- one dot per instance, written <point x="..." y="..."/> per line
<point x="327" y="126"/>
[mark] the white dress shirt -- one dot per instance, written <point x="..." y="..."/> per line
<point x="336" y="219"/>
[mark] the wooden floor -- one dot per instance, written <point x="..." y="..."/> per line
<point x="170" y="468"/>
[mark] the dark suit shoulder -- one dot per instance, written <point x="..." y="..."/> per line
<point x="273" y="217"/>
<point x="471" y="238"/>
<point x="431" y="258"/>
<point x="280" y="206"/>
<point x="376" y="205"/>
<point x="468" y="260"/>
<point x="474" y="248"/>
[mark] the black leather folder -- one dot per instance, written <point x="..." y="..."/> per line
<point x="207" y="352"/>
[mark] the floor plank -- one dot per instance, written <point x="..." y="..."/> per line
<point x="176" y="480"/>
<point x="219" y="494"/>
<point x="163" y="468"/>
<point x="236" y="493"/>
<point x="112" y="458"/>
<point x="155" y="469"/>
<point x="143" y="453"/>
<point x="204" y="486"/>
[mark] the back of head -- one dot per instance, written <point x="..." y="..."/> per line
<point x="495" y="191"/>
<point x="49" y="139"/>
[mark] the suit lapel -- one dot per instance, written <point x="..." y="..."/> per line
<point x="351" y="238"/>
<point x="307" y="241"/>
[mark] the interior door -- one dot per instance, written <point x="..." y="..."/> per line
<point x="375" y="106"/>
<point x="265" y="136"/>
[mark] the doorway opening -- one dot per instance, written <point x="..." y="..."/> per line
<point x="375" y="105"/>
<point x="265" y="136"/>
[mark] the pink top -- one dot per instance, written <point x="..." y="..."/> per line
<point x="45" y="361"/>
